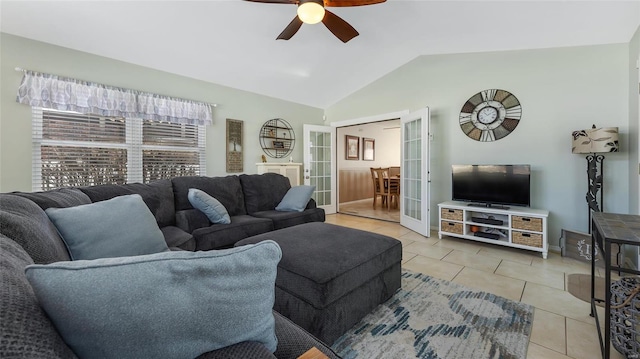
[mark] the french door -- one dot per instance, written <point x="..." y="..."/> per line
<point x="319" y="165"/>
<point x="414" y="202"/>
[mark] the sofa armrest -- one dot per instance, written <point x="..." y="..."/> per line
<point x="311" y="204"/>
<point x="191" y="219"/>
<point x="294" y="341"/>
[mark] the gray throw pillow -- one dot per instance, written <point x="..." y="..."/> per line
<point x="165" y="305"/>
<point x="296" y="199"/>
<point x="211" y="207"/>
<point x="121" y="226"/>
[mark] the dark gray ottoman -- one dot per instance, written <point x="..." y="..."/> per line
<point x="330" y="276"/>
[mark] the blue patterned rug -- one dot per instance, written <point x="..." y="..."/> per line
<point x="432" y="318"/>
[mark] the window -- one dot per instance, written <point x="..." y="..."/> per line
<point x="72" y="149"/>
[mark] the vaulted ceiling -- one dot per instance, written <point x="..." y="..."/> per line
<point x="233" y="42"/>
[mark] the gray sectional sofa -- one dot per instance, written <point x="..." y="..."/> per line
<point x="27" y="236"/>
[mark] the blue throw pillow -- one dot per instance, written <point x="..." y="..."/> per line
<point x="165" y="305"/>
<point x="296" y="199"/>
<point x="121" y="226"/>
<point x="208" y="205"/>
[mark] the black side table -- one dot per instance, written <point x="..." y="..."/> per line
<point x="608" y="229"/>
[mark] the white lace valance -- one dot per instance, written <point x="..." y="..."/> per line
<point x="163" y="108"/>
<point x="51" y="91"/>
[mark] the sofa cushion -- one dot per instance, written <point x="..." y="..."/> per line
<point x="177" y="238"/>
<point x="211" y="207"/>
<point x="121" y="226"/>
<point x="25" y="330"/>
<point x="288" y="219"/>
<point x="57" y="198"/>
<point x="157" y="195"/>
<point x="219" y="236"/>
<point x="188" y="303"/>
<point x="296" y="199"/>
<point x="27" y="224"/>
<point x="263" y="192"/>
<point x="227" y="190"/>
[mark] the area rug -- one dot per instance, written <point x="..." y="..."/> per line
<point x="432" y="318"/>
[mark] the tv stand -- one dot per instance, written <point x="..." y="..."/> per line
<point x="518" y="227"/>
<point x="487" y="205"/>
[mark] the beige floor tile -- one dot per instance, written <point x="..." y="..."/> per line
<point x="465" y="245"/>
<point x="392" y="230"/>
<point x="539" y="352"/>
<point x="432" y="267"/>
<point x="549" y="331"/>
<point x="557" y="301"/>
<point x="532" y="274"/>
<point x="506" y="253"/>
<point x="427" y="250"/>
<point x="407" y="257"/>
<point x="404" y="241"/>
<point x="562" y="264"/>
<point x="476" y="261"/>
<point x="419" y="238"/>
<point x="492" y="283"/>
<point x="582" y="341"/>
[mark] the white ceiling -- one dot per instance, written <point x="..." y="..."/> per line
<point x="232" y="42"/>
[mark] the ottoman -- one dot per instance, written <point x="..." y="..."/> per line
<point x="330" y="276"/>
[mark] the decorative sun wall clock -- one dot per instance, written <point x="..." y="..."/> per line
<point x="490" y="115"/>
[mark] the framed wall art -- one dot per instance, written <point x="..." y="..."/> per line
<point x="234" y="146"/>
<point x="368" y="149"/>
<point x="352" y="147"/>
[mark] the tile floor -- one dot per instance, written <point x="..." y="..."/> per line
<point x="562" y="327"/>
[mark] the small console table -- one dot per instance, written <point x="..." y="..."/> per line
<point x="608" y="229"/>
<point x="517" y="227"/>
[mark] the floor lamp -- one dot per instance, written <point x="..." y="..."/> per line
<point x="594" y="142"/>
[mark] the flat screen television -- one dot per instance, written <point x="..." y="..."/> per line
<point x="489" y="185"/>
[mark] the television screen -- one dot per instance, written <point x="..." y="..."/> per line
<point x="492" y="184"/>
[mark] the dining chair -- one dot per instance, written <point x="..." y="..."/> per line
<point x="379" y="188"/>
<point x="394" y="171"/>
<point x="394" y="191"/>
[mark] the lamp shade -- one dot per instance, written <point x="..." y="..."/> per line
<point x="595" y="140"/>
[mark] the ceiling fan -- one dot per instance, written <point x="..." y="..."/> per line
<point x="313" y="11"/>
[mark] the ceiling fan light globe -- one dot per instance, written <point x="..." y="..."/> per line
<point x="310" y="12"/>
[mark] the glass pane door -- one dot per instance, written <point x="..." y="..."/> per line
<point x="319" y="166"/>
<point x="414" y="205"/>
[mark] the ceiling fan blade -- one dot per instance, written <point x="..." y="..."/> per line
<point x="275" y="1"/>
<point x="339" y="27"/>
<point x="344" y="3"/>
<point x="291" y="29"/>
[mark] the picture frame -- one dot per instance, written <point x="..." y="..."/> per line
<point x="278" y="144"/>
<point x="368" y="149"/>
<point x="352" y="147"/>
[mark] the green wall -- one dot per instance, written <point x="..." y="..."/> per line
<point x="15" y="119"/>
<point x="561" y="90"/>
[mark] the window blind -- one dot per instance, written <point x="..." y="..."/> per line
<point x="71" y="149"/>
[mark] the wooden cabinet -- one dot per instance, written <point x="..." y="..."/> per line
<point x="289" y="170"/>
<point x="518" y="227"/>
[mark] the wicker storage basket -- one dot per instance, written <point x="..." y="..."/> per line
<point x="453" y="214"/>
<point x="625" y="316"/>
<point x="526" y="223"/>
<point x="452" y="227"/>
<point x="527" y="239"/>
